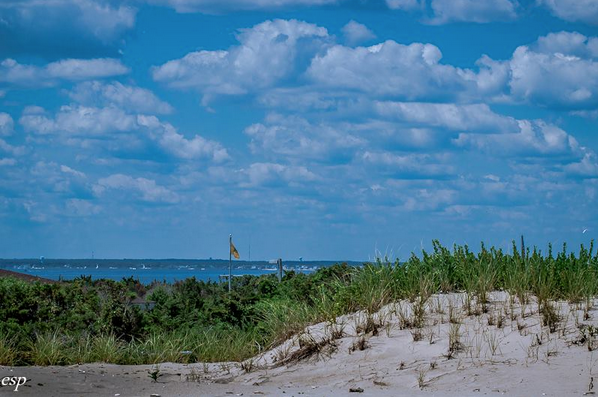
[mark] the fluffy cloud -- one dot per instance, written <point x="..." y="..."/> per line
<point x="173" y="142"/>
<point x="79" y="207"/>
<point x="7" y="162"/>
<point x="130" y="98"/>
<point x="8" y="148"/>
<point x="296" y="137"/>
<point x="491" y="79"/>
<point x="6" y="124"/>
<point x="534" y="138"/>
<point x="147" y="189"/>
<point x="356" y="32"/>
<point x="568" y="43"/>
<point x="12" y="72"/>
<point x="410" y="71"/>
<point x="217" y="5"/>
<point x="569" y="60"/>
<point x="82" y="69"/>
<point x="451" y="116"/>
<point x="405" y="5"/>
<point x="58" y="178"/>
<point x="430" y="199"/>
<point x="573" y="80"/>
<point x="587" y="167"/>
<point x="76" y="121"/>
<point x="276" y="54"/>
<point x="574" y="10"/>
<point x="479" y="11"/>
<point x="389" y="69"/>
<point x="408" y="166"/>
<point x="272" y="174"/>
<point x="80" y="121"/>
<point x="37" y="27"/>
<point x="268" y="52"/>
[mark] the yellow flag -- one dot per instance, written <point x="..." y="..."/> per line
<point x="234" y="251"/>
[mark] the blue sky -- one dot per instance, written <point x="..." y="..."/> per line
<point x="322" y="129"/>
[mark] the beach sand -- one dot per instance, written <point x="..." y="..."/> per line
<point x="504" y="351"/>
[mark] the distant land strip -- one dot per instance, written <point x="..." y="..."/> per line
<point x="26" y="277"/>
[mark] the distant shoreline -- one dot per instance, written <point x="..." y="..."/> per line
<point x="149" y="270"/>
<point x="169" y="260"/>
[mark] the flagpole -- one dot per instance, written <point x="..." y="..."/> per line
<point x="230" y="261"/>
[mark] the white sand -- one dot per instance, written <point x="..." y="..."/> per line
<point x="520" y="358"/>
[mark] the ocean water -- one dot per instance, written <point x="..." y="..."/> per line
<point x="149" y="270"/>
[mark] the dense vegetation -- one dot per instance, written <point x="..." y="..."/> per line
<point x="87" y="320"/>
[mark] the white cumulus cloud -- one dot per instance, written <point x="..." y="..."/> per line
<point x="587" y="167"/>
<point x="6" y="124"/>
<point x="295" y="137"/>
<point x="130" y="98"/>
<point x="210" y="6"/>
<point x="147" y="189"/>
<point x="80" y="207"/>
<point x="75" y="120"/>
<point x="534" y="138"/>
<point x="408" y="166"/>
<point x="407" y="71"/>
<point x="405" y="5"/>
<point x="574" y="10"/>
<point x="13" y="72"/>
<point x="8" y="148"/>
<point x="573" y="80"/>
<point x="477" y="117"/>
<point x="568" y="43"/>
<point x="173" y="142"/>
<point x="356" y="33"/>
<point x="479" y="11"/>
<point x="273" y="174"/>
<point x="7" y="162"/>
<point x="96" y="17"/>
<point x="267" y="53"/>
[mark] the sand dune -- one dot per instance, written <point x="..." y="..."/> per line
<point x="447" y="346"/>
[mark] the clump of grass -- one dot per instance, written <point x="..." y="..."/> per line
<point x="8" y="350"/>
<point x="47" y="349"/>
<point x="154" y="373"/>
<point x="107" y="348"/>
<point x="419" y="312"/>
<point x="248" y="365"/>
<point x="587" y="335"/>
<point x="193" y="376"/>
<point x="417" y="334"/>
<point x="500" y="320"/>
<point x="421" y="378"/>
<point x="454" y="317"/>
<point x="281" y="319"/>
<point x="455" y="345"/>
<point x="370" y="325"/>
<point x="79" y="349"/>
<point x="361" y="343"/>
<point x="336" y="331"/>
<point x="158" y="348"/>
<point x="550" y="316"/>
<point x="219" y="344"/>
<point x="309" y="347"/>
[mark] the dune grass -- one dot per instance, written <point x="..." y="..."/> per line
<point x="194" y="321"/>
